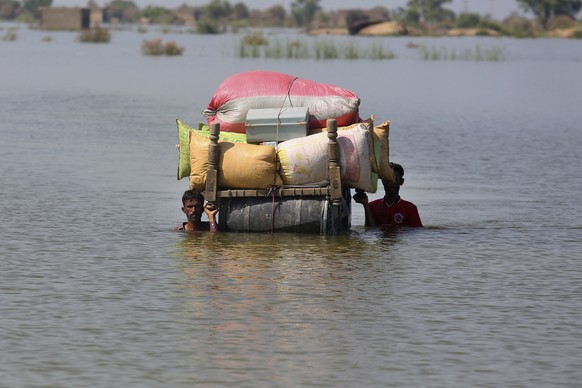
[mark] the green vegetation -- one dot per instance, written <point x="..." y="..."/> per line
<point x="475" y="21"/>
<point x="10" y="36"/>
<point x="561" y="22"/>
<point x="546" y="10"/>
<point x="520" y="27"/>
<point x="30" y="8"/>
<point x="157" y="47"/>
<point x="377" y="51"/>
<point x="255" y="38"/>
<point x="304" y="11"/>
<point x="123" y="11"/>
<point x="171" y="48"/>
<point x="255" y="45"/>
<point x="290" y="49"/>
<point x="430" y="11"/>
<point x="326" y="50"/>
<point x="468" y="20"/>
<point x="553" y="18"/>
<point x="157" y="15"/>
<point x="95" y="35"/>
<point x="207" y="26"/>
<point x="493" y="54"/>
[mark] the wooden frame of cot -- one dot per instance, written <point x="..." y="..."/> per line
<point x="333" y="190"/>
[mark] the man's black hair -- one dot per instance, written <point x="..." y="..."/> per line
<point x="190" y="195"/>
<point x="397" y="167"/>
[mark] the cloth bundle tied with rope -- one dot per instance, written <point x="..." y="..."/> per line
<point x="266" y="89"/>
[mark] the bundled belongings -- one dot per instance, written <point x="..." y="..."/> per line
<point x="184" y="143"/>
<point x="266" y="89"/>
<point x="240" y="165"/>
<point x="276" y="125"/>
<point x="363" y="158"/>
<point x="382" y="152"/>
<point x="279" y="153"/>
<point x="304" y="160"/>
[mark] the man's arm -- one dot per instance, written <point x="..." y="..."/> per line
<point x="362" y="197"/>
<point x="211" y="213"/>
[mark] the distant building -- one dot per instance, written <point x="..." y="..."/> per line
<point x="66" y="18"/>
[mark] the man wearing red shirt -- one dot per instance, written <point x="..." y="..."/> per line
<point x="390" y="210"/>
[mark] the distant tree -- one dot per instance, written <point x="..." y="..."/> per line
<point x="519" y="26"/>
<point x="185" y="14"/>
<point x="213" y="17"/>
<point x="398" y="13"/>
<point x="241" y="11"/>
<point x="303" y="11"/>
<point x="468" y="20"/>
<point x="157" y="15"/>
<point x="447" y="17"/>
<point x="123" y="10"/>
<point x="354" y="20"/>
<point x="274" y="16"/>
<point x="277" y="14"/>
<point x="206" y="26"/>
<point x="411" y="16"/>
<point x="430" y="11"/>
<point x="9" y="9"/>
<point x="322" y="18"/>
<point x="545" y="10"/>
<point x="32" y="6"/>
<point x="217" y="10"/>
<point x="561" y="22"/>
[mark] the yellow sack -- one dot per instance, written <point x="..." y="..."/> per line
<point x="184" y="143"/>
<point x="240" y="165"/>
<point x="381" y="136"/>
<point x="247" y="166"/>
<point x="198" y="145"/>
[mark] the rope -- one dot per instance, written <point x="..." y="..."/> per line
<point x="287" y="96"/>
<point x="272" y="189"/>
<point x="272" y="192"/>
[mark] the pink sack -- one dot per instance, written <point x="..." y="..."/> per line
<point x="266" y="89"/>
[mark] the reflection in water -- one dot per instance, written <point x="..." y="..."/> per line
<point x="257" y="293"/>
<point x="93" y="292"/>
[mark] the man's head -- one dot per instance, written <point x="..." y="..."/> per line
<point x="192" y="195"/>
<point x="193" y="205"/>
<point x="398" y="170"/>
<point x="392" y="189"/>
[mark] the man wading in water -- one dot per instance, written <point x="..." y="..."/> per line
<point x="390" y="210"/>
<point x="193" y="207"/>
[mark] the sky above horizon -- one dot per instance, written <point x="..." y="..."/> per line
<point x="499" y="9"/>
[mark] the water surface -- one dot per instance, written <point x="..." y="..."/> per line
<point x="96" y="290"/>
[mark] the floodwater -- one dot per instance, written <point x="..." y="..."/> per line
<point x="96" y="290"/>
